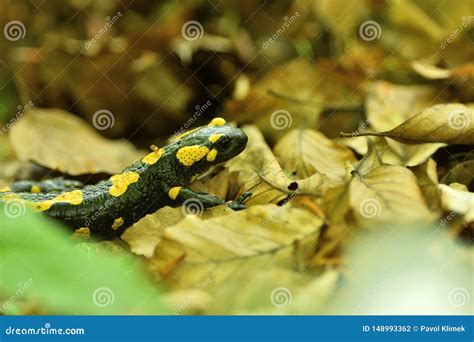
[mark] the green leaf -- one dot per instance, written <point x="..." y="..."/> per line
<point x="42" y="263"/>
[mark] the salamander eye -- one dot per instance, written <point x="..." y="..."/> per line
<point x="223" y="142"/>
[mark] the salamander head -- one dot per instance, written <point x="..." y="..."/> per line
<point x="210" y="145"/>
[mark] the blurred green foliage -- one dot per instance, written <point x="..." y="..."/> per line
<point x="41" y="263"/>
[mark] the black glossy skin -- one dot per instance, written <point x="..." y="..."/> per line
<point x="99" y="209"/>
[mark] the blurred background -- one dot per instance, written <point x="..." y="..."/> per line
<point x="153" y="64"/>
<point x="140" y="71"/>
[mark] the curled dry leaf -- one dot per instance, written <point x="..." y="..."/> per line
<point x="389" y="105"/>
<point x="462" y="172"/>
<point x="377" y="194"/>
<point x="460" y="76"/>
<point x="217" y="185"/>
<point x="450" y="123"/>
<point x="430" y="71"/>
<point x="380" y="193"/>
<point x="260" y="173"/>
<point x="58" y="140"/>
<point x="144" y="235"/>
<point x="305" y="152"/>
<point x="427" y="176"/>
<point x="215" y="255"/>
<point x="389" y="193"/>
<point x="458" y="200"/>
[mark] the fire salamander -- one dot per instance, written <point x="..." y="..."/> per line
<point x="107" y="208"/>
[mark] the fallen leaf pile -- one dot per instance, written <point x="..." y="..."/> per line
<point x="360" y="119"/>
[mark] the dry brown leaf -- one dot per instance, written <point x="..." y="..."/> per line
<point x="388" y="193"/>
<point x="461" y="75"/>
<point x="276" y="290"/>
<point x="457" y="199"/>
<point x="61" y="141"/>
<point x="219" y="251"/>
<point x="462" y="172"/>
<point x="390" y="105"/>
<point x="304" y="152"/>
<point x="450" y="123"/>
<point x="217" y="185"/>
<point x="430" y="71"/>
<point x="144" y="236"/>
<point x="428" y="181"/>
<point x="260" y="173"/>
<point x="376" y="192"/>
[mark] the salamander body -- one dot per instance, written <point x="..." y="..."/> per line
<point x="159" y="179"/>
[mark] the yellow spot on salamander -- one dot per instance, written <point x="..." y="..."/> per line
<point x="71" y="197"/>
<point x="35" y="189"/>
<point x="153" y="157"/>
<point x="174" y="192"/>
<point x="188" y="155"/>
<point x="121" y="182"/>
<point x="217" y="122"/>
<point x="211" y="156"/>
<point x="213" y="138"/>
<point x="82" y="233"/>
<point x="5" y="189"/>
<point x="10" y="197"/>
<point x="118" y="223"/>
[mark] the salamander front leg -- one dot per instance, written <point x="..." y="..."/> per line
<point x="182" y="195"/>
